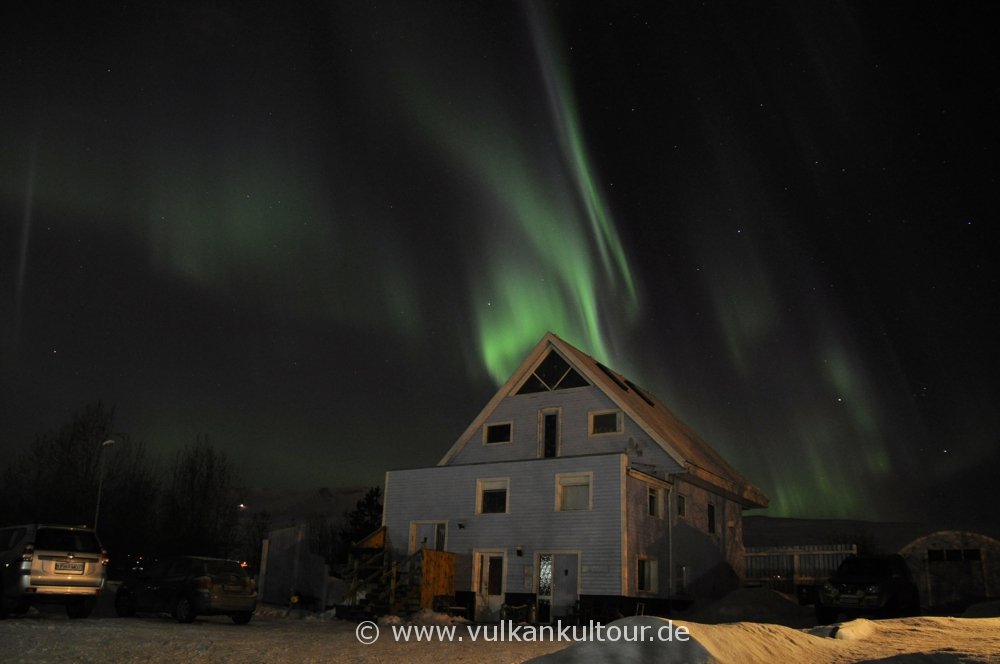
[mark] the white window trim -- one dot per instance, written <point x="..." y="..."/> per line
<point x="479" y="494"/>
<point x="490" y="424"/>
<point x="588" y="476"/>
<point x="620" y="426"/>
<point x="654" y="576"/>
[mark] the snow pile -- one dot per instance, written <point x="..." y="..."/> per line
<point x="752" y="605"/>
<point x="856" y="630"/>
<point x="428" y="617"/>
<point x="924" y="640"/>
<point x="423" y="617"/>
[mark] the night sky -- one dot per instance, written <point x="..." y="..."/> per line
<point x="324" y="233"/>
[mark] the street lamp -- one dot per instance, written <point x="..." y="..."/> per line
<point x="100" y="478"/>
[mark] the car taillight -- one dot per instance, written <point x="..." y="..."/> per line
<point x="104" y="557"/>
<point x="28" y="553"/>
<point x="203" y="583"/>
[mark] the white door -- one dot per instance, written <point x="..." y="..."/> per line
<point x="489" y="575"/>
<point x="558" y="585"/>
<point x="565" y="582"/>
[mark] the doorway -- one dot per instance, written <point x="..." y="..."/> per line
<point x="558" y="585"/>
<point x="489" y="575"/>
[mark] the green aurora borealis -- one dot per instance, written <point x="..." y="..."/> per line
<point x="334" y="230"/>
<point x="554" y="258"/>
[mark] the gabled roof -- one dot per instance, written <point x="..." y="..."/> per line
<point x="704" y="466"/>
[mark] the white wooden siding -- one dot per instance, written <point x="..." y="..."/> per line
<point x="531" y="524"/>
<point x="575" y="439"/>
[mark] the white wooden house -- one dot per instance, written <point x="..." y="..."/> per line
<point x="575" y="490"/>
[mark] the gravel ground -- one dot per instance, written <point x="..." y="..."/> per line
<point x="49" y="636"/>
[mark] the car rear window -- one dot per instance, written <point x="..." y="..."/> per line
<point x="223" y="568"/>
<point x="61" y="539"/>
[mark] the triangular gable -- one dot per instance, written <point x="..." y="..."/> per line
<point x="704" y="465"/>
<point x="519" y="376"/>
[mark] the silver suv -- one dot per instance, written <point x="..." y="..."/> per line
<point x="42" y="564"/>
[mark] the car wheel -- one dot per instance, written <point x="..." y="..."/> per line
<point x="184" y="610"/>
<point x="124" y="605"/>
<point x="242" y="618"/>
<point x="21" y="607"/>
<point x="79" y="608"/>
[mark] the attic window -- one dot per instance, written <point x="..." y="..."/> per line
<point x="605" y="422"/>
<point x="554" y="373"/>
<point x="498" y="433"/>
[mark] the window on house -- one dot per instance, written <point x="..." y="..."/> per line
<point x="492" y="496"/>
<point x="605" y="422"/>
<point x="953" y="555"/>
<point x="549" y="442"/>
<point x="653" y="501"/>
<point x="498" y="433"/>
<point x="680" y="579"/>
<point x="573" y="492"/>
<point x="646" y="575"/>
<point x="545" y="575"/>
<point x="711" y="518"/>
<point x="554" y="373"/>
<point x="681" y="506"/>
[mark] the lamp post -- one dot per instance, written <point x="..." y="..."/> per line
<point x="100" y="478"/>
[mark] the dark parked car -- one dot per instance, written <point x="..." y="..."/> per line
<point x="868" y="585"/>
<point x="187" y="587"/>
<point x="50" y="564"/>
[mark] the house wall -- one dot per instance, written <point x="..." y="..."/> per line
<point x="576" y="403"/>
<point x="714" y="562"/>
<point x="448" y="493"/>
<point x="647" y="536"/>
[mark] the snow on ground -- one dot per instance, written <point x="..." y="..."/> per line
<point x="927" y="640"/>
<point x="275" y="635"/>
